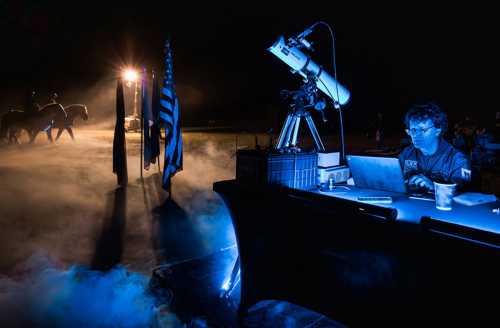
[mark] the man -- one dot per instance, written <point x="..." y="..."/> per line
<point x="53" y="98"/>
<point x="379" y="130"/>
<point x="30" y="105"/>
<point x="497" y="127"/>
<point x="430" y="157"/>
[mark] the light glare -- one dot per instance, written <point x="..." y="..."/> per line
<point x="130" y="75"/>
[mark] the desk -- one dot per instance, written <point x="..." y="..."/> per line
<point x="353" y="261"/>
<point x="410" y="210"/>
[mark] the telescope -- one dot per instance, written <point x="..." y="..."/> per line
<point x="302" y="64"/>
<point x="315" y="78"/>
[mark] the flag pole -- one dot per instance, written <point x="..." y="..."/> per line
<point x="158" y="159"/>
<point x="142" y="130"/>
<point x="159" y="153"/>
<point x="155" y="104"/>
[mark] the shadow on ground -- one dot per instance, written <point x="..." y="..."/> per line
<point x="109" y="245"/>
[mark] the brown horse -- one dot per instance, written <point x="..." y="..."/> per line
<point x="33" y="122"/>
<point x="11" y="125"/>
<point x="72" y="111"/>
<point x="44" y="119"/>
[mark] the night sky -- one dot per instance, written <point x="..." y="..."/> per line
<point x="387" y="57"/>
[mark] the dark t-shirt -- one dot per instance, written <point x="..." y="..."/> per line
<point x="447" y="164"/>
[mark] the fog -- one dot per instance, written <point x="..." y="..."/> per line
<point x="100" y="98"/>
<point x="43" y="293"/>
<point x="64" y="219"/>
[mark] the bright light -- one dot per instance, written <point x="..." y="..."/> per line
<point x="225" y="285"/>
<point x="231" y="282"/>
<point x="130" y="75"/>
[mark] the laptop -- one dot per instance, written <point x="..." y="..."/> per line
<point x="381" y="173"/>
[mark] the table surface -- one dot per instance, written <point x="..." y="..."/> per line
<point x="481" y="217"/>
<point x="369" y="278"/>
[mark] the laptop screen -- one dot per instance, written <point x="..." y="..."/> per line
<point x="381" y="173"/>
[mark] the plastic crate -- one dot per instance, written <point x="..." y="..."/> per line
<point x="294" y="170"/>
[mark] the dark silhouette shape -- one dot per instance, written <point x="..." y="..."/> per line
<point x="41" y="120"/>
<point x="109" y="245"/>
<point x="10" y="125"/>
<point x="155" y="129"/>
<point x="379" y="130"/>
<point x="119" y="142"/>
<point x="53" y="98"/>
<point x="172" y="232"/>
<point x="496" y="129"/>
<point x="31" y="105"/>
<point x="72" y="112"/>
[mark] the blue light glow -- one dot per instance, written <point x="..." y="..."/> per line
<point x="232" y="280"/>
<point x="77" y="297"/>
<point x="225" y="285"/>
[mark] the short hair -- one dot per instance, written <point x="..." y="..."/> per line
<point x="429" y="111"/>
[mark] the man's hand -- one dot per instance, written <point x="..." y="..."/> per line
<point x="421" y="181"/>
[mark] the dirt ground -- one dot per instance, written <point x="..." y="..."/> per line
<point x="57" y="197"/>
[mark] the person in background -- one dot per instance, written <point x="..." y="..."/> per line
<point x="496" y="133"/>
<point x="481" y="156"/>
<point x="458" y="139"/>
<point x="53" y="98"/>
<point x="30" y="105"/>
<point x="379" y="131"/>
<point x="468" y="127"/>
<point x="431" y="158"/>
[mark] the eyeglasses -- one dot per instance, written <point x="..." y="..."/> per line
<point x="414" y="131"/>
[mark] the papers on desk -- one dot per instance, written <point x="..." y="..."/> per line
<point x="474" y="198"/>
<point x="328" y="159"/>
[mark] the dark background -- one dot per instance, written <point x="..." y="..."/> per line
<point x="388" y="57"/>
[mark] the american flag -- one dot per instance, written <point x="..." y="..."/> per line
<point x="169" y="118"/>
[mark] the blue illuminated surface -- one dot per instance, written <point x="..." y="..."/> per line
<point x="225" y="285"/>
<point x="480" y="217"/>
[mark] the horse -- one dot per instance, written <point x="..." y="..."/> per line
<point x="44" y="119"/>
<point x="39" y="120"/>
<point x="72" y="112"/>
<point x="11" y="125"/>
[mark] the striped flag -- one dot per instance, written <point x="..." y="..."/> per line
<point x="169" y="118"/>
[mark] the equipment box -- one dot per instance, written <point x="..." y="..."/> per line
<point x="293" y="170"/>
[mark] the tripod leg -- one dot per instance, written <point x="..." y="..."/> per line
<point x="295" y="131"/>
<point x="291" y="127"/>
<point x="315" y="134"/>
<point x="284" y="131"/>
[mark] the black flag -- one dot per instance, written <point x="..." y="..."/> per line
<point x="147" y="121"/>
<point x="155" y="129"/>
<point x="119" y="145"/>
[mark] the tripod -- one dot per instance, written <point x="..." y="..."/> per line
<point x="303" y="99"/>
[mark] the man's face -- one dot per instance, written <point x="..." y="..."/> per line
<point x="423" y="134"/>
